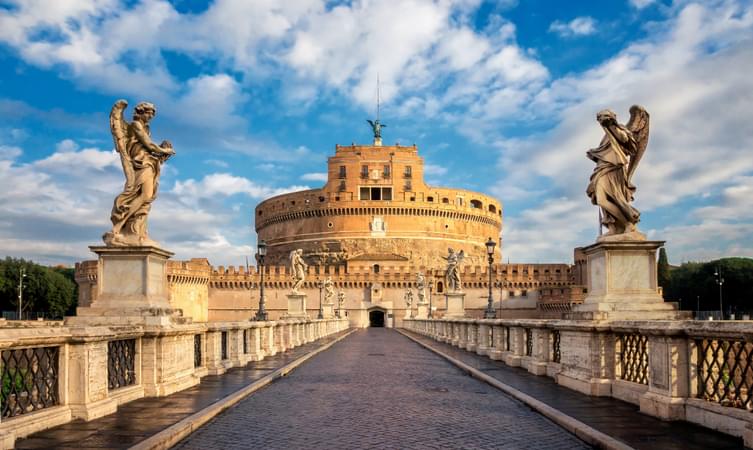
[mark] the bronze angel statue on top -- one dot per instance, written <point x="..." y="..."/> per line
<point x="141" y="159"/>
<point x="616" y="158"/>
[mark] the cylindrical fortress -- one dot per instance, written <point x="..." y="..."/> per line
<point x="376" y="208"/>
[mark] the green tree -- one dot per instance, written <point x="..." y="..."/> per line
<point x="696" y="284"/>
<point x="45" y="289"/>
<point x="662" y="269"/>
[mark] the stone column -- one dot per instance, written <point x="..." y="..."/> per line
<point x="485" y="344"/>
<point x="539" y="358"/>
<point x="255" y="352"/>
<point x="669" y="377"/>
<point x="517" y="346"/>
<point x="587" y="358"/>
<point x="472" y="336"/>
<point x="496" y="353"/>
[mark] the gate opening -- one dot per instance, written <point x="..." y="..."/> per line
<point x="376" y="318"/>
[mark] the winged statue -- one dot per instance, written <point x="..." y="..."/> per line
<point x="376" y="127"/>
<point x="452" y="273"/>
<point x="141" y="159"/>
<point x="616" y="158"/>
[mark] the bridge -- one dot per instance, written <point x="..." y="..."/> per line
<point x="446" y="383"/>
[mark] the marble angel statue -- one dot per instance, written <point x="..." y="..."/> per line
<point x="452" y="273"/>
<point x="616" y="158"/>
<point x="141" y="159"/>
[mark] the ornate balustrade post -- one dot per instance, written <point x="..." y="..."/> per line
<point x="588" y="357"/>
<point x="517" y="346"/>
<point x="458" y="338"/>
<point x="472" y="335"/>
<point x="268" y="339"/>
<point x="540" y="347"/>
<point x="669" y="374"/>
<point x="255" y="352"/>
<point x="498" y="341"/>
<point x="236" y="357"/>
<point x="485" y="344"/>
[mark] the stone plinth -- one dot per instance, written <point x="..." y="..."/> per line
<point x="422" y="311"/>
<point x="454" y="305"/>
<point x="328" y="310"/>
<point x="622" y="283"/>
<point x="296" y="305"/>
<point x="132" y="289"/>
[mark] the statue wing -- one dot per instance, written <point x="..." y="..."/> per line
<point x="461" y="255"/>
<point x="638" y="125"/>
<point x="370" y="123"/>
<point x="119" y="130"/>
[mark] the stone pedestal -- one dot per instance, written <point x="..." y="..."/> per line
<point x="328" y="310"/>
<point x="296" y="306"/>
<point x="131" y="289"/>
<point x="422" y="311"/>
<point x="454" y="305"/>
<point x="622" y="283"/>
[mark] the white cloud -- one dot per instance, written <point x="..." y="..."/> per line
<point x="53" y="208"/>
<point x="640" y="4"/>
<point x="690" y="77"/>
<point x="580" y="26"/>
<point x="314" y="176"/>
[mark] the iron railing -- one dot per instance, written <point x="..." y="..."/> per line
<point x="121" y="363"/>
<point x="725" y="372"/>
<point x="529" y="342"/>
<point x="633" y="357"/>
<point x="224" y="345"/>
<point x="556" y="352"/>
<point x="197" y="350"/>
<point x="29" y="380"/>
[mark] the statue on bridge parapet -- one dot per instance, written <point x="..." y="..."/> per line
<point x="329" y="291"/>
<point x="298" y="268"/>
<point x="452" y="273"/>
<point x="141" y="159"/>
<point x="616" y="158"/>
<point x="421" y="287"/>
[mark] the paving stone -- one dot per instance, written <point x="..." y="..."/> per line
<point x="377" y="389"/>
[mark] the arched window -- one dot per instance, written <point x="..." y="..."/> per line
<point x="445" y="200"/>
<point x="476" y="204"/>
<point x="440" y="287"/>
<point x="492" y="209"/>
<point x="376" y="268"/>
<point x="429" y="199"/>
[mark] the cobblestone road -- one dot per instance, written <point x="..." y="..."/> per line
<point x="377" y="389"/>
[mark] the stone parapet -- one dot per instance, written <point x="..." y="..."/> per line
<point x="671" y="369"/>
<point x="99" y="367"/>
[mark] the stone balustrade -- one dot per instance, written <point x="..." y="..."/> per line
<point x="56" y="373"/>
<point x="700" y="372"/>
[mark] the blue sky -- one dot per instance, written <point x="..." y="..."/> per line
<point x="500" y="97"/>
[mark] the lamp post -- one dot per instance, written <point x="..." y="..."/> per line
<point x="431" y="287"/>
<point x="261" y="252"/>
<point x="490" y="313"/>
<point x="720" y="282"/>
<point x="21" y="276"/>
<point x="321" y="311"/>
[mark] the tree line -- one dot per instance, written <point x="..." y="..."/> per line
<point x="51" y="290"/>
<point x="695" y="286"/>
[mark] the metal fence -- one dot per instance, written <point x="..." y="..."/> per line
<point x="121" y="363"/>
<point x="29" y="380"/>
<point x="633" y="350"/>
<point x="725" y="372"/>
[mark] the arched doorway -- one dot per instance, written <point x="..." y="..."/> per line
<point x="376" y="318"/>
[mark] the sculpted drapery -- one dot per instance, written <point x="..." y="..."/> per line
<point x="616" y="159"/>
<point x="298" y="268"/>
<point x="141" y="159"/>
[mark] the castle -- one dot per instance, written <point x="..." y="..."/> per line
<point x="371" y="228"/>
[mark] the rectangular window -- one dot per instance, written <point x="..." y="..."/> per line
<point x="408" y="172"/>
<point x="408" y="186"/>
<point x="364" y="171"/>
<point x="386" y="172"/>
<point x="342" y="171"/>
<point x="375" y="193"/>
